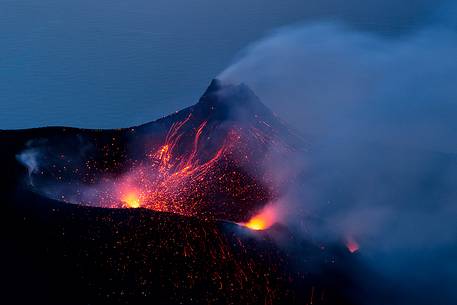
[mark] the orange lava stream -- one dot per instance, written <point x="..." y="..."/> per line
<point x="165" y="182"/>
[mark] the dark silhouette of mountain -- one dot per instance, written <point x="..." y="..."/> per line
<point x="58" y="252"/>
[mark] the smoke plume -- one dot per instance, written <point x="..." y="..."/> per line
<point x="379" y="114"/>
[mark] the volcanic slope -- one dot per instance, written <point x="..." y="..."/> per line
<point x="170" y="252"/>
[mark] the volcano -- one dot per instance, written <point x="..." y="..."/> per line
<point x="149" y="214"/>
<point x="207" y="160"/>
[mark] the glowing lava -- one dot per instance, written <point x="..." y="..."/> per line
<point x="131" y="199"/>
<point x="262" y="221"/>
<point x="184" y="170"/>
<point x="257" y="223"/>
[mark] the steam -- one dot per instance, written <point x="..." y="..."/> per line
<point x="380" y="115"/>
<point x="29" y="157"/>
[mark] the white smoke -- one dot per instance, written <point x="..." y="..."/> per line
<point x="29" y="157"/>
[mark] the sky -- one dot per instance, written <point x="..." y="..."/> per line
<point x="110" y="64"/>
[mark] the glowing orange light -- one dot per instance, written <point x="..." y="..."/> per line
<point x="256" y="223"/>
<point x="262" y="221"/>
<point x="131" y="199"/>
<point x="179" y="172"/>
<point x="163" y="151"/>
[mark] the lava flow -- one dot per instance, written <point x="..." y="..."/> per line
<point x="197" y="164"/>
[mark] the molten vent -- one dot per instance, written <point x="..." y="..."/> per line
<point x="267" y="217"/>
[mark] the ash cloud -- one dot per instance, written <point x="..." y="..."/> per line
<point x="380" y="115"/>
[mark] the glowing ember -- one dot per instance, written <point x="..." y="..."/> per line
<point x="262" y="221"/>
